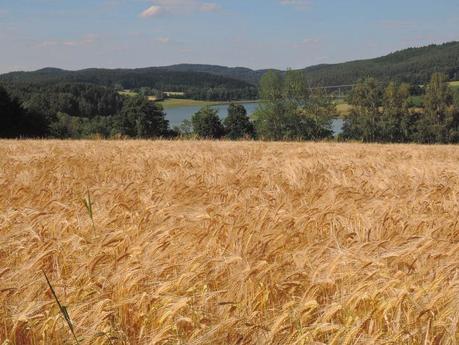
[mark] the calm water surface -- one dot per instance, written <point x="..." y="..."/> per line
<point x="177" y="115"/>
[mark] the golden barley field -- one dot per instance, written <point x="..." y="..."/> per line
<point x="200" y="242"/>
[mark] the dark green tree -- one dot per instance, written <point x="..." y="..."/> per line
<point x="207" y="124"/>
<point x="11" y="116"/>
<point x="237" y="123"/>
<point x="141" y="118"/>
<point x="66" y="126"/>
<point x="15" y="121"/>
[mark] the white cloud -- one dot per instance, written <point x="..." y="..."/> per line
<point x="174" y="7"/>
<point x="151" y="11"/>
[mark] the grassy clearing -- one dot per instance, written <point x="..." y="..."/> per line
<point x="170" y="103"/>
<point x="454" y="84"/>
<point x="218" y="242"/>
<point x="343" y="109"/>
<point x="128" y="93"/>
<point x="132" y="94"/>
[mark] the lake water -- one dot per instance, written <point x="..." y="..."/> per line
<point x="177" y="115"/>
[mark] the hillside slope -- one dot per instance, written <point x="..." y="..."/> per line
<point x="414" y="65"/>
<point x="241" y="73"/>
<point x="129" y="78"/>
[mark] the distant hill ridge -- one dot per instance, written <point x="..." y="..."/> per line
<point x="414" y="65"/>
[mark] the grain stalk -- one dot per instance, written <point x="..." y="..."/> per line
<point x="88" y="204"/>
<point x="62" y="308"/>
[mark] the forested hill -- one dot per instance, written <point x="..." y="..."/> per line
<point x="154" y="77"/>
<point x="240" y="73"/>
<point x="194" y="84"/>
<point x="413" y="65"/>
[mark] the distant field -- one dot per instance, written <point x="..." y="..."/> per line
<point x="199" y="242"/>
<point x="454" y="84"/>
<point x="127" y="93"/>
<point x="343" y="108"/>
<point x="170" y="103"/>
<point x="132" y="93"/>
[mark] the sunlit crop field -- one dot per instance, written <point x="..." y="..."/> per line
<point x="228" y="243"/>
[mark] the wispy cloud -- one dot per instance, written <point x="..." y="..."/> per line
<point x="208" y="7"/>
<point x="84" y="41"/>
<point x="151" y="11"/>
<point x="309" y="41"/>
<point x="173" y="7"/>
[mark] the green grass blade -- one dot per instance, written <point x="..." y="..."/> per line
<point x="62" y="308"/>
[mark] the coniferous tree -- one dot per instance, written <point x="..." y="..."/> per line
<point x="237" y="123"/>
<point x="141" y="118"/>
<point x="207" y="124"/>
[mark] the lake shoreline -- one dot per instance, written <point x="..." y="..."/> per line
<point x="173" y="103"/>
<point x="176" y="115"/>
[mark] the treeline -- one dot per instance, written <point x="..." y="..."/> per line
<point x="379" y="113"/>
<point x="79" y="111"/>
<point x="196" y="85"/>
<point x="290" y="110"/>
<point x="74" y="99"/>
<point x="222" y="93"/>
<point x="384" y="113"/>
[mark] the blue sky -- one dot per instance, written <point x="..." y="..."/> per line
<point x="76" y="34"/>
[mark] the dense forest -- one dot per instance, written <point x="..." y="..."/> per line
<point x="209" y="82"/>
<point x="289" y="110"/>
<point x="240" y="73"/>
<point x="196" y="85"/>
<point x="413" y="65"/>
